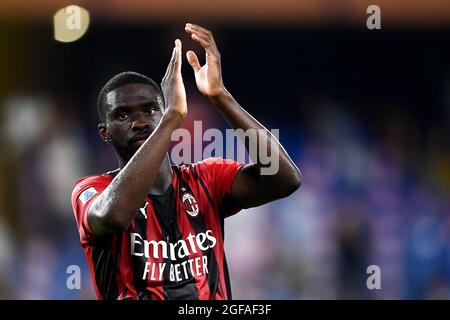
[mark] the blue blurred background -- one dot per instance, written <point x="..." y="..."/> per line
<point x="364" y="113"/>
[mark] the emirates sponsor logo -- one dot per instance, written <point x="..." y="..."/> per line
<point x="178" y="271"/>
<point x="174" y="251"/>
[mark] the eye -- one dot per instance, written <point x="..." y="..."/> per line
<point x="151" y="111"/>
<point x="122" y="116"/>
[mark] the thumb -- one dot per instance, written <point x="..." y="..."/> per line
<point x="193" y="60"/>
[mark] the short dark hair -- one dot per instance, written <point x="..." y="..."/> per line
<point x="117" y="81"/>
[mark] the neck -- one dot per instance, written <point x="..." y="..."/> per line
<point x="163" y="179"/>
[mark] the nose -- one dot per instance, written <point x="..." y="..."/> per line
<point x="140" y="122"/>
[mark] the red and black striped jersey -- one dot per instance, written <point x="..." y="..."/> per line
<point x="174" y="247"/>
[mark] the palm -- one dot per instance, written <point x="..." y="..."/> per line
<point x="202" y="78"/>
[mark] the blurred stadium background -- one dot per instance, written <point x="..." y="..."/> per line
<point x="365" y="114"/>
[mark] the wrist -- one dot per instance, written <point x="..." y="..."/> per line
<point x="219" y="96"/>
<point x="172" y="117"/>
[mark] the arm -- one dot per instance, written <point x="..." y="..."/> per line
<point x="116" y="207"/>
<point x="250" y="187"/>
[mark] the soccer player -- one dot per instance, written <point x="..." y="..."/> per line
<point x="152" y="230"/>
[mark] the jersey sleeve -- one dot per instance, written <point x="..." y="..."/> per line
<point x="219" y="174"/>
<point x="84" y="192"/>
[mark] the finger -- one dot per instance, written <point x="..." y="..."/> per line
<point x="170" y="65"/>
<point x="202" y="41"/>
<point x="178" y="59"/>
<point x="212" y="54"/>
<point x="193" y="60"/>
<point x="209" y="46"/>
<point x="198" y="29"/>
<point x="205" y="40"/>
<point x="173" y="61"/>
<point x="202" y="34"/>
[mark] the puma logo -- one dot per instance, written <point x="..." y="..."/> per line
<point x="143" y="210"/>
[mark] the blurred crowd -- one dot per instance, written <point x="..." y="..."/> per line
<point x="375" y="192"/>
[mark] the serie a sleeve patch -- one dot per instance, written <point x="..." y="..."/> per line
<point x="87" y="194"/>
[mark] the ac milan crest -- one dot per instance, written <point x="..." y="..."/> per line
<point x="190" y="204"/>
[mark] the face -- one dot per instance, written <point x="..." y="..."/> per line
<point x="134" y="112"/>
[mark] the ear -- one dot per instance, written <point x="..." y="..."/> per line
<point x="103" y="132"/>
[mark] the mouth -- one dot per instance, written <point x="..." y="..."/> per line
<point x="138" y="139"/>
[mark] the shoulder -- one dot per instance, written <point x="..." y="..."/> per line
<point x="214" y="163"/>
<point x="212" y="169"/>
<point x="208" y="165"/>
<point x="93" y="180"/>
<point x="88" y="187"/>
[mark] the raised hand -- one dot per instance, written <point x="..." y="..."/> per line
<point x="209" y="76"/>
<point x="172" y="84"/>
